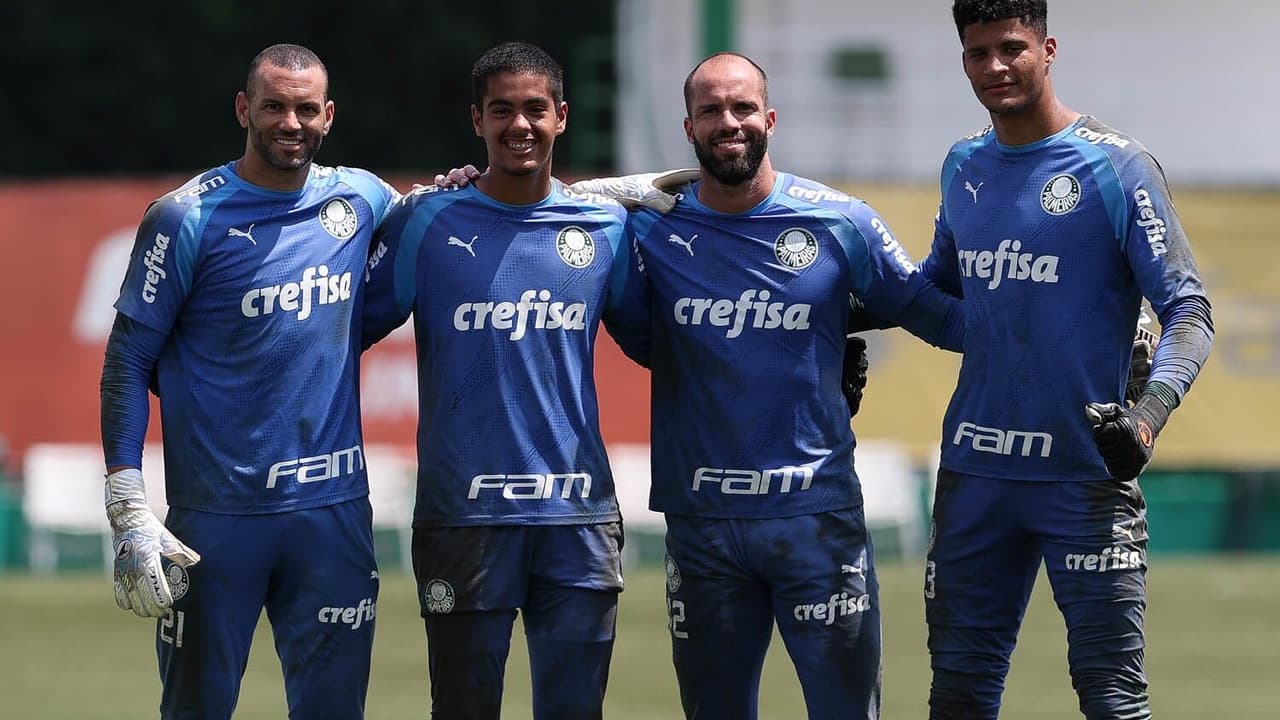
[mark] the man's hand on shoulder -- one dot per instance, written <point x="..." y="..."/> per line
<point x="652" y="190"/>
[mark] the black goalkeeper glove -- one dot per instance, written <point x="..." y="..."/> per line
<point x="1126" y="437"/>
<point x="853" y="380"/>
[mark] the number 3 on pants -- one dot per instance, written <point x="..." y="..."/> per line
<point x="171" y="627"/>
<point x="930" y="571"/>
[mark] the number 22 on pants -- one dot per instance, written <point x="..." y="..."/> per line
<point x="675" y="615"/>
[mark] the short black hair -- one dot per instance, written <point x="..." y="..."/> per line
<point x="1033" y="13"/>
<point x="518" y="58"/>
<point x="688" y="80"/>
<point x="284" y="55"/>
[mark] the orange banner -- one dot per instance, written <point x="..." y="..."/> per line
<point x="66" y="247"/>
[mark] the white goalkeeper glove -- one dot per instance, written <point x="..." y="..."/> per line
<point x="139" y="540"/>
<point x="652" y="190"/>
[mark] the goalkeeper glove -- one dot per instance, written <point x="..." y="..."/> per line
<point x="1145" y="338"/>
<point x="1126" y="437"/>
<point x="652" y="190"/>
<point x="1139" y="371"/>
<point x="853" y="379"/>
<point x="139" y="540"/>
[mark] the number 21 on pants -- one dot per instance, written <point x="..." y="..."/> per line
<point x="171" y="627"/>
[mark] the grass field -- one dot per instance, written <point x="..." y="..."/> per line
<point x="1213" y="652"/>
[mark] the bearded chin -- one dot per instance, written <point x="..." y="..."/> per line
<point x="262" y="143"/>
<point x="734" y="171"/>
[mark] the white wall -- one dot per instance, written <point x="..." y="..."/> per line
<point x="1198" y="84"/>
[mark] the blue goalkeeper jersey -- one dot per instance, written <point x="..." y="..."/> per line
<point x="256" y="291"/>
<point x="746" y="317"/>
<point x="506" y="303"/>
<point x="1052" y="245"/>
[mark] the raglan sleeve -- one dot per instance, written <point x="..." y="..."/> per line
<point x="892" y="288"/>
<point x="1159" y="254"/>
<point x="391" y="274"/>
<point x="628" y="309"/>
<point x="157" y="282"/>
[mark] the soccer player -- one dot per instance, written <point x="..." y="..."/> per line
<point x="742" y="294"/>
<point x="507" y="281"/>
<point x="239" y="309"/>
<point x="1053" y="227"/>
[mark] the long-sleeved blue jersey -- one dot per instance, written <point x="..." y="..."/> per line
<point x="1052" y="246"/>
<point x="253" y="292"/>
<point x="742" y="318"/>
<point x="506" y="301"/>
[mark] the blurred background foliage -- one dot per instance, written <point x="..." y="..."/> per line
<point x="142" y="87"/>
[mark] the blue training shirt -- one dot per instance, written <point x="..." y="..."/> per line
<point x="256" y="290"/>
<point x="742" y="321"/>
<point x="1053" y="245"/>
<point x="506" y="303"/>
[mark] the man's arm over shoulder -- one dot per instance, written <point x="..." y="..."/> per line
<point x="893" y="289"/>
<point x="627" y="315"/>
<point x="391" y="274"/>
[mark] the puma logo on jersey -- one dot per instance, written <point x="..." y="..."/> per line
<point x="247" y="234"/>
<point x="1008" y="262"/>
<point x="973" y="190"/>
<point x="686" y="244"/>
<point x="1121" y="531"/>
<point x="751" y="309"/>
<point x="846" y="569"/>
<point x="464" y="245"/>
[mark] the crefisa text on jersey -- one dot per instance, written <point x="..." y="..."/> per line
<point x="328" y="289"/>
<point x="547" y="315"/>
<point x="752" y="308"/>
<point x="1151" y="222"/>
<point x="1096" y="138"/>
<point x="153" y="260"/>
<point x="1008" y="262"/>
